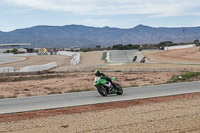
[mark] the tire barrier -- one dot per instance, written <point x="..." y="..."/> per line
<point x="38" y="67"/>
<point x="6" y="69"/>
<point x="43" y="53"/>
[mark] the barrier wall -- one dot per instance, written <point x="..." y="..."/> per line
<point x="26" y="54"/>
<point x="38" y="67"/>
<point x="108" y="57"/>
<point x="180" y="47"/>
<point x="75" y="56"/>
<point x="75" y="59"/>
<point x="6" y="69"/>
<point x="66" y="53"/>
<point x="11" y="54"/>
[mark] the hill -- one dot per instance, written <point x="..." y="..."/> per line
<point x="84" y="36"/>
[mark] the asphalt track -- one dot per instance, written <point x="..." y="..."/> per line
<point x="4" y="60"/>
<point x="86" y="98"/>
<point x="124" y="56"/>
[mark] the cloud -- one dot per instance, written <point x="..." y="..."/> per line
<point x="154" y="8"/>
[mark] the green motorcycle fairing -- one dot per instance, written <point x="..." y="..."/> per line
<point x="99" y="80"/>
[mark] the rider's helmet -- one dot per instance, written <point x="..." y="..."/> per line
<point x="97" y="73"/>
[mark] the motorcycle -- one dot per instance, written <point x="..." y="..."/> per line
<point x="104" y="87"/>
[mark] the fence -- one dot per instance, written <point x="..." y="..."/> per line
<point x="6" y="69"/>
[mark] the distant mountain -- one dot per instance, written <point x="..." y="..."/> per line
<point x="84" y="36"/>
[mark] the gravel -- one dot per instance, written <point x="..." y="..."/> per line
<point x="180" y="115"/>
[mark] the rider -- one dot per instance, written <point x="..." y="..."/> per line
<point x="143" y="60"/>
<point x="103" y="76"/>
<point x="135" y="58"/>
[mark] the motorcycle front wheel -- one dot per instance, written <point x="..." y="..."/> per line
<point x="102" y="90"/>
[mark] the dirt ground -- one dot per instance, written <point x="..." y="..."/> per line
<point x="167" y="114"/>
<point x="39" y="60"/>
<point x="186" y="55"/>
<point x="72" y="82"/>
<point x="89" y="61"/>
<point x="171" y="114"/>
<point x="128" y="74"/>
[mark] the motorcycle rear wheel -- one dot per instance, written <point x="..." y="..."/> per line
<point x="119" y="89"/>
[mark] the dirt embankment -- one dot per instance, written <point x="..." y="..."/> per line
<point x="89" y="61"/>
<point x="186" y="55"/>
<point x="167" y="114"/>
<point x="39" y="60"/>
<point x="35" y="85"/>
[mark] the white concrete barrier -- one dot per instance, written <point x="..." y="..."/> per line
<point x="11" y="54"/>
<point x="67" y="53"/>
<point x="6" y="69"/>
<point x="38" y="67"/>
<point x="180" y="47"/>
<point x="75" y="59"/>
<point x="75" y="56"/>
<point x="108" y="57"/>
<point x="26" y="54"/>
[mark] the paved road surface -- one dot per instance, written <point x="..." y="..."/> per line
<point x="125" y="56"/>
<point x="4" y="60"/>
<point x="93" y="97"/>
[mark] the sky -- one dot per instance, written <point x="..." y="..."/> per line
<point x="16" y="14"/>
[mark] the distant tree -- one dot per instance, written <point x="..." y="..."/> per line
<point x="30" y="50"/>
<point x="118" y="47"/>
<point x="196" y="42"/>
<point x="125" y="47"/>
<point x="7" y="51"/>
<point x="165" y="43"/>
<point x="14" y="51"/>
<point x="136" y="46"/>
<point x="98" y="46"/>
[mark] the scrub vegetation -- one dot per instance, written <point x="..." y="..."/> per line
<point x="104" y="56"/>
<point x="186" y="76"/>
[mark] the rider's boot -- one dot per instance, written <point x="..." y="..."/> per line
<point x="111" y="90"/>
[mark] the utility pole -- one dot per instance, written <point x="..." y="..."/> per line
<point x="33" y="41"/>
<point x="53" y="45"/>
<point x="196" y="37"/>
<point x="189" y="37"/>
<point x="184" y="34"/>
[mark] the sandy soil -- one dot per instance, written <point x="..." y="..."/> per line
<point x="187" y="55"/>
<point x="39" y="60"/>
<point x="89" y="61"/>
<point x="168" y="114"/>
<point x="166" y="59"/>
<point x="72" y="82"/>
<point x="77" y="81"/>
<point x="172" y="114"/>
<point x="150" y="67"/>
